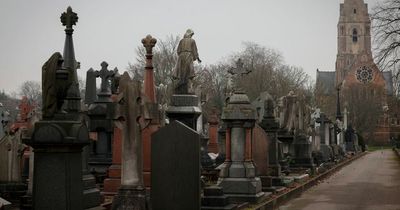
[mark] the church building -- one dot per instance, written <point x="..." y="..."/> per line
<point x="365" y="91"/>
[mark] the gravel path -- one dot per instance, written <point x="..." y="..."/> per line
<point x="369" y="183"/>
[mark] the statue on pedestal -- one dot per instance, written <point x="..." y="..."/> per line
<point x="184" y="70"/>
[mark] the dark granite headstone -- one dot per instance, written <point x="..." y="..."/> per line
<point x="175" y="163"/>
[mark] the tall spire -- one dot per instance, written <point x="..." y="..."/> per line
<point x="68" y="19"/>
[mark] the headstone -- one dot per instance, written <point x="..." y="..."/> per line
<point x="59" y="137"/>
<point x="265" y="109"/>
<point x="100" y="119"/>
<point x="260" y="150"/>
<point x="129" y="112"/>
<point x="151" y="102"/>
<point x="175" y="167"/>
<point x="238" y="174"/>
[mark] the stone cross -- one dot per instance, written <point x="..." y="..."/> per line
<point x="105" y="76"/>
<point x="237" y="72"/>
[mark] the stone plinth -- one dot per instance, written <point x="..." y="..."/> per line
<point x="238" y="173"/>
<point x="57" y="179"/>
<point x="185" y="109"/>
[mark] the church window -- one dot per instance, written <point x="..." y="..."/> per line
<point x="364" y="74"/>
<point x="355" y="35"/>
<point x="355" y="11"/>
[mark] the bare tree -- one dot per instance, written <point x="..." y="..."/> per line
<point x="386" y="29"/>
<point x="32" y="90"/>
<point x="268" y="72"/>
<point x="366" y="108"/>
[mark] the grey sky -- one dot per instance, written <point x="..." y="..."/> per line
<point x="304" y="31"/>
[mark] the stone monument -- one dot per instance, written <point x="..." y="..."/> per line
<point x="175" y="163"/>
<point x="152" y="105"/>
<point x="130" y="113"/>
<point x="59" y="137"/>
<point x="238" y="173"/>
<point x="100" y="119"/>
<point x="184" y="104"/>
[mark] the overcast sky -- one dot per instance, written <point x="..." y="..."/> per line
<point x="304" y="31"/>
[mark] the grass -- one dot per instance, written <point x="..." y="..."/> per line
<point x="375" y="148"/>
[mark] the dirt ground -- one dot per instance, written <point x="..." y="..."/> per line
<point x="369" y="183"/>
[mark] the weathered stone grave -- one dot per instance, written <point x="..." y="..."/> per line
<point x="100" y="121"/>
<point x="238" y="173"/>
<point x="129" y="112"/>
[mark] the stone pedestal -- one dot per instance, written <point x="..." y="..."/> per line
<point x="130" y="199"/>
<point x="185" y="109"/>
<point x="57" y="179"/>
<point x="238" y="174"/>
<point x="214" y="199"/>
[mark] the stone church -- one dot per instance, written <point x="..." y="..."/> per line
<point x="364" y="91"/>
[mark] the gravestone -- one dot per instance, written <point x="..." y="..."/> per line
<point x="100" y="119"/>
<point x="238" y="173"/>
<point x="260" y="150"/>
<point x="130" y="113"/>
<point x="175" y="163"/>
<point x="59" y="137"/>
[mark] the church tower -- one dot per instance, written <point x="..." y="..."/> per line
<point x="354" y="37"/>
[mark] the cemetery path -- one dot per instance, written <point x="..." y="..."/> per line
<point x="370" y="183"/>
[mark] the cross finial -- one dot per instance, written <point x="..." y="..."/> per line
<point x="149" y="42"/>
<point x="239" y="69"/>
<point x="104" y="66"/>
<point x="69" y="18"/>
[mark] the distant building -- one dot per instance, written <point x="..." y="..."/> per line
<point x="357" y="76"/>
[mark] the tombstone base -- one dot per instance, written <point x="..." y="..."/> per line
<point x="130" y="198"/>
<point x="26" y="202"/>
<point x="275" y="169"/>
<point x="91" y="195"/>
<point x="242" y="189"/>
<point x="214" y="199"/>
<point x="184" y="108"/>
<point x="113" y="182"/>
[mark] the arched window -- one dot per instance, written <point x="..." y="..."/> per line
<point x="355" y="35"/>
<point x="355" y="11"/>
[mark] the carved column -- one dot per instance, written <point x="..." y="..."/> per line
<point x="151" y="102"/>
